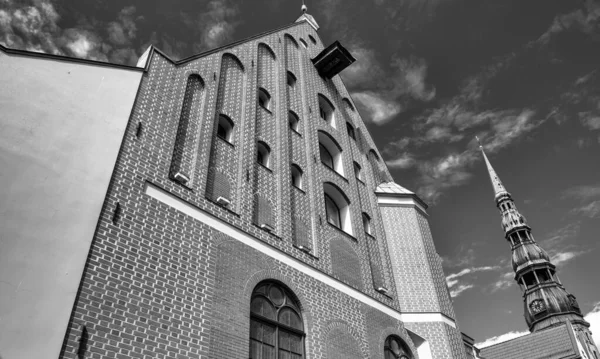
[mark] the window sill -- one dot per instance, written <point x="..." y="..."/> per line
<point x="342" y="231"/>
<point x="334" y="171"/>
<point x="266" y="109"/>
<point x="299" y="189"/>
<point x="272" y="233"/>
<point x="226" y="142"/>
<point x="361" y="181"/>
<point x="225" y="208"/>
<point x="296" y="132"/>
<point x="265" y="167"/>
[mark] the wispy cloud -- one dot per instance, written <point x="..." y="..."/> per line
<point x="456" y="282"/>
<point x="562" y="257"/>
<point x="33" y="25"/>
<point x="505" y="281"/>
<point x="588" y="197"/>
<point x="405" y="160"/>
<point x="501" y="339"/>
<point x="584" y="19"/>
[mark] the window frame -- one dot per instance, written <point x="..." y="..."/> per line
<point x="323" y="149"/>
<point x="278" y="326"/>
<point x="291" y="79"/>
<point x="299" y="176"/>
<point x="329" y="202"/>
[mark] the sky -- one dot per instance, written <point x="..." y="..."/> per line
<point x="430" y="76"/>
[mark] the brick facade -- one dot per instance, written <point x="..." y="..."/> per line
<point x="159" y="283"/>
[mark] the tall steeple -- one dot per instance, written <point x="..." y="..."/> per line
<point x="546" y="302"/>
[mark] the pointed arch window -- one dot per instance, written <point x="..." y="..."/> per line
<point x="312" y="39"/>
<point x="395" y="348"/>
<point x="337" y="207"/>
<point x="276" y="329"/>
<point x="293" y="120"/>
<point x="304" y="44"/>
<point x="225" y="128"/>
<point x="296" y="176"/>
<point x="263" y="154"/>
<point x="367" y="224"/>
<point x="264" y="99"/>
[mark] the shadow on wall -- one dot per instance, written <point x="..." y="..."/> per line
<point x="423" y="349"/>
<point x="82" y="343"/>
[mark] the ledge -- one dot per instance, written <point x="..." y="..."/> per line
<point x="342" y="231"/>
<point x="336" y="172"/>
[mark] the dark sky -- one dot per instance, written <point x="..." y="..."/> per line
<point x="430" y="76"/>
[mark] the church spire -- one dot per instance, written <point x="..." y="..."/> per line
<point x="496" y="183"/>
<point x="547" y="302"/>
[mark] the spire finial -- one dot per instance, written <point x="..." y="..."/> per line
<point x="477" y="138"/>
<point x="304" y="8"/>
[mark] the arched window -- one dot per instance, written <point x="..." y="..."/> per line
<point x="296" y="176"/>
<point x="326" y="156"/>
<point x="276" y="329"/>
<point x="333" y="212"/>
<point x="350" y="130"/>
<point x="263" y="154"/>
<point x="337" y="207"/>
<point x="291" y="79"/>
<point x="367" y="223"/>
<point x="264" y="99"/>
<point x="293" y="120"/>
<point x="357" y="171"/>
<point x="326" y="111"/>
<point x="304" y="44"/>
<point x="395" y="348"/>
<point x="225" y="128"/>
<point x="331" y="153"/>
<point x="312" y="39"/>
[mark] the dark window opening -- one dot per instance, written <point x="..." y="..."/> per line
<point x="312" y="39"/>
<point x="296" y="176"/>
<point x="326" y="157"/>
<point x="264" y="99"/>
<point x="350" y="130"/>
<point x="293" y="120"/>
<point x="263" y="154"/>
<point x="333" y="212"/>
<point x="291" y="79"/>
<point x="357" y="171"/>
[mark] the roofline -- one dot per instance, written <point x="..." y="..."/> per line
<point x="43" y="55"/>
<point x="404" y="195"/>
<point x="224" y="47"/>
<point x="11" y="51"/>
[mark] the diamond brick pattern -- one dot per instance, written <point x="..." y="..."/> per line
<point x="159" y="284"/>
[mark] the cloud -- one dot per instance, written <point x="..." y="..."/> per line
<point x="563" y="257"/>
<point x="406" y="160"/>
<point x="584" y="20"/>
<point x="455" y="292"/>
<point x="454" y="280"/>
<point x="587" y="196"/>
<point x="378" y="109"/>
<point x="593" y="317"/>
<point x="505" y="281"/>
<point x="33" y="25"/>
<point x="591" y="210"/>
<point x="500" y="339"/>
<point x="215" y="26"/>
<point x="591" y="122"/>
<point x="381" y="94"/>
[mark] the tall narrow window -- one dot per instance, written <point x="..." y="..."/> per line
<point x="276" y="329"/>
<point x="293" y="120"/>
<point x="326" y="156"/>
<point x="367" y="223"/>
<point x="264" y="99"/>
<point x="304" y="44"/>
<point x="350" y="130"/>
<point x="395" y="348"/>
<point x="291" y="79"/>
<point x="333" y="212"/>
<point x="263" y="154"/>
<point x="225" y="128"/>
<point x="296" y="176"/>
<point x="357" y="171"/>
<point x="326" y="110"/>
<point x="337" y="207"/>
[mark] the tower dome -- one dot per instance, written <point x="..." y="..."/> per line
<point x="528" y="253"/>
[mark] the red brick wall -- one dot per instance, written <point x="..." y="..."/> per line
<point x="158" y="282"/>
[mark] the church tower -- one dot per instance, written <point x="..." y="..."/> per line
<point x="546" y="301"/>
